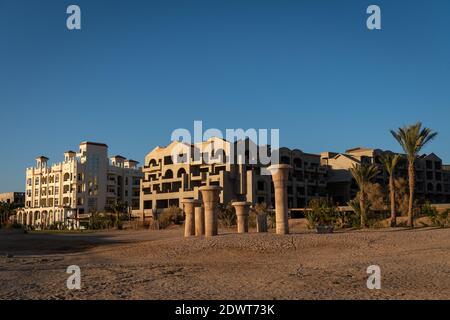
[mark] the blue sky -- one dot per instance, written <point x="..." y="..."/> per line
<point x="140" y="69"/>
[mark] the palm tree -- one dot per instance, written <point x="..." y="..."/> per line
<point x="412" y="139"/>
<point x="363" y="175"/>
<point x="389" y="162"/>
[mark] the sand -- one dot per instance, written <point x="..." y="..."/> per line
<point x="149" y="264"/>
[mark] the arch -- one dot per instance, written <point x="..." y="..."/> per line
<point x="298" y="162"/>
<point x="285" y="160"/>
<point x="168" y="174"/>
<point x="51" y="217"/>
<point x="430" y="187"/>
<point x="152" y="162"/>
<point x="180" y="172"/>
<point x="66" y="176"/>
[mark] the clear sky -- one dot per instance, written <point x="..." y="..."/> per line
<point x="140" y="69"/>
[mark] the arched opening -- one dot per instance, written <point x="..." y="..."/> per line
<point x="180" y="172"/>
<point x="66" y="176"/>
<point x="152" y="163"/>
<point x="168" y="174"/>
<point x="298" y="162"/>
<point x="285" y="160"/>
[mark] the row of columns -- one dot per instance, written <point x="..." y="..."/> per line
<point x="204" y="220"/>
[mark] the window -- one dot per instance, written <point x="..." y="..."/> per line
<point x="56" y="201"/>
<point x="261" y="185"/>
<point x="29" y="182"/>
<point x="56" y="191"/>
<point x="36" y="181"/>
<point x="126" y="181"/>
<point x="36" y="192"/>
<point x="57" y="178"/>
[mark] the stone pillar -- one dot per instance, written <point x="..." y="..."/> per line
<point x="242" y="210"/>
<point x="189" y="222"/>
<point x="199" y="221"/>
<point x="280" y="174"/>
<point x="210" y="196"/>
<point x="261" y="222"/>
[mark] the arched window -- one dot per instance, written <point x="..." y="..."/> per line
<point x="168" y="174"/>
<point x="152" y="163"/>
<point x="180" y="172"/>
<point x="66" y="176"/>
<point x="285" y="160"/>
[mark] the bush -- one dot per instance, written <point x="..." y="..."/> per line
<point x="170" y="216"/>
<point x="321" y="212"/>
<point x="437" y="219"/>
<point x="227" y="215"/>
<point x="99" y="221"/>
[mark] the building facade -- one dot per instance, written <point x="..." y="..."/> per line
<point x="15" y="198"/>
<point x="432" y="179"/>
<point x="86" y="181"/>
<point x="166" y="183"/>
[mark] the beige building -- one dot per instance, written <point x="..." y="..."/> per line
<point x="15" y="198"/>
<point x="166" y="183"/>
<point x="431" y="183"/>
<point x="86" y="181"/>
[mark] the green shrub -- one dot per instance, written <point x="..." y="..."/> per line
<point x="99" y="221"/>
<point x="227" y="215"/>
<point x="439" y="219"/>
<point x="321" y="212"/>
<point x="170" y="216"/>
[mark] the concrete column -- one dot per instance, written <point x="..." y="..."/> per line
<point x="242" y="211"/>
<point x="189" y="222"/>
<point x="210" y="196"/>
<point x="280" y="174"/>
<point x="199" y="221"/>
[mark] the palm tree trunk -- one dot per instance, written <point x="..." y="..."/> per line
<point x="411" y="194"/>
<point x="393" y="209"/>
<point x="362" y="208"/>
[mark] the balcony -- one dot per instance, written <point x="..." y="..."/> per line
<point x="152" y="168"/>
<point x="322" y="170"/>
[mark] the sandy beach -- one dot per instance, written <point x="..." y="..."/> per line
<point x="149" y="264"/>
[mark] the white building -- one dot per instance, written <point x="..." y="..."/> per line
<point x="85" y="182"/>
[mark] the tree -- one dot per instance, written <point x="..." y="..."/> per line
<point x="6" y="210"/>
<point x="363" y="175"/>
<point x="118" y="208"/>
<point x="389" y="162"/>
<point x="412" y="139"/>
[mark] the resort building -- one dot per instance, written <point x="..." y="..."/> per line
<point x="431" y="183"/>
<point x="166" y="183"/>
<point x="86" y="181"/>
<point x="15" y="198"/>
